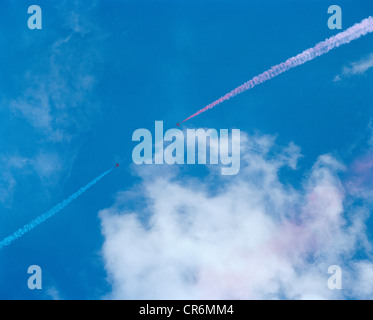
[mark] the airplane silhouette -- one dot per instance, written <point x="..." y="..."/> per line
<point x="178" y="124"/>
<point x="117" y="165"/>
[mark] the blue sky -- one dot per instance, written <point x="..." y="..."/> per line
<point x="73" y="93"/>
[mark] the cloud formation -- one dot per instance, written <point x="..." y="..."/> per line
<point x="250" y="236"/>
<point x="54" y="95"/>
<point x="55" y="100"/>
<point x="45" y="165"/>
<point x="356" y="68"/>
<point x="8" y="165"/>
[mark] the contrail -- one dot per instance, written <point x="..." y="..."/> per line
<point x="352" y="33"/>
<point x="34" y="223"/>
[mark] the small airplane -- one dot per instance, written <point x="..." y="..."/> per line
<point x="117" y="165"/>
<point x="178" y="124"/>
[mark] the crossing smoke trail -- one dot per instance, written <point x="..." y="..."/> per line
<point x="352" y="33"/>
<point x="34" y="223"/>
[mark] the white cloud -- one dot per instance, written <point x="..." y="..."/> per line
<point x="53" y="293"/>
<point x="356" y="68"/>
<point x="55" y="91"/>
<point x="55" y="96"/>
<point x="248" y="236"/>
<point x="46" y="165"/>
<point x="57" y="101"/>
<point x="9" y="164"/>
<point x="364" y="271"/>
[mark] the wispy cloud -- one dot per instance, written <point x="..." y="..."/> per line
<point x="53" y="293"/>
<point x="356" y="68"/>
<point x="45" y="165"/>
<point x="244" y="237"/>
<point x="54" y="95"/>
<point x="55" y="90"/>
<point x="57" y="101"/>
<point x="9" y="164"/>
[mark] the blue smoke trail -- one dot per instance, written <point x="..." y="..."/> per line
<point x="34" y="223"/>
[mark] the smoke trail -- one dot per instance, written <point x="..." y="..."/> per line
<point x="34" y="223"/>
<point x="352" y="33"/>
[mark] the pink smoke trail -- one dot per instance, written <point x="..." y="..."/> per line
<point x="352" y="33"/>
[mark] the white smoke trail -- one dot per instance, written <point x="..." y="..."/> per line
<point x="352" y="33"/>
<point x="34" y="223"/>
